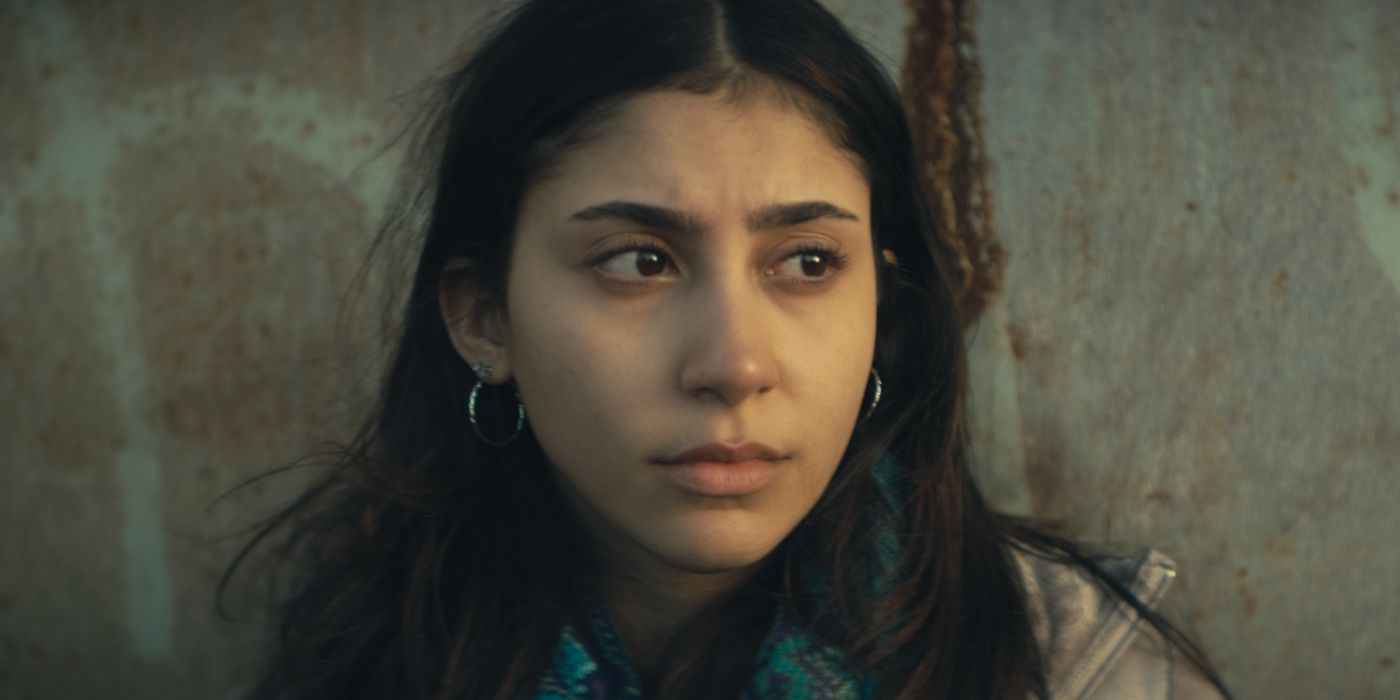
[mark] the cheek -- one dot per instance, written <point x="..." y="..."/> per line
<point x="834" y="351"/>
<point x="581" y="376"/>
<point x="842" y="369"/>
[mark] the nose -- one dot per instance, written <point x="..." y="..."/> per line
<point x="729" y="354"/>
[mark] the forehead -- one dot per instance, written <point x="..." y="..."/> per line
<point x="684" y="148"/>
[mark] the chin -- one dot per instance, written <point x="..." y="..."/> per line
<point x="713" y="553"/>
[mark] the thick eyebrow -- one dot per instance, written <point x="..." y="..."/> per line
<point x="773" y="216"/>
<point x="785" y="215"/>
<point x="644" y="215"/>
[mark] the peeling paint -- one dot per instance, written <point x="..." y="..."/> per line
<point x="1367" y="110"/>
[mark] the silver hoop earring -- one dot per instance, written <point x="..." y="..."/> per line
<point x="874" y="400"/>
<point x="519" y="418"/>
<point x="483" y="370"/>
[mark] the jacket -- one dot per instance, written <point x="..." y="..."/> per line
<point x="1093" y="644"/>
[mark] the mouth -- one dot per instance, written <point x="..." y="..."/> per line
<point x="717" y="452"/>
<point x="723" y="470"/>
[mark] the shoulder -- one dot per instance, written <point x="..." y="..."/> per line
<point x="1093" y="643"/>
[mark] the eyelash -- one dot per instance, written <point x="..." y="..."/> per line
<point x="629" y="246"/>
<point x="835" y="258"/>
<point x="836" y="261"/>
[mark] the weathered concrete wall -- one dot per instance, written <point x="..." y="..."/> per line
<point x="1193" y="350"/>
<point x="1202" y="204"/>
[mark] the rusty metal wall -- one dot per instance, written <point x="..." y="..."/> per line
<point x="1199" y="341"/>
<point x="186" y="190"/>
<point x="1194" y="348"/>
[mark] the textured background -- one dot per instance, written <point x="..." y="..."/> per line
<point x="1195" y="347"/>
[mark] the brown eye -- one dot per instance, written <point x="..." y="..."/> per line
<point x="814" y="264"/>
<point x="650" y="263"/>
<point x="637" y="263"/>
<point x="808" y="266"/>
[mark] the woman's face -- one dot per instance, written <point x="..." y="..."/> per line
<point x="690" y="320"/>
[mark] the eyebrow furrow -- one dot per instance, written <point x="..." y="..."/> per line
<point x="670" y="220"/>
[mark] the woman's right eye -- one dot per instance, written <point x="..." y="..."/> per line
<point x="637" y="263"/>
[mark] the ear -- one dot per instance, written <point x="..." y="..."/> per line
<point x="475" y="324"/>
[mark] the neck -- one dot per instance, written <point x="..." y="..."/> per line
<point x="649" y="602"/>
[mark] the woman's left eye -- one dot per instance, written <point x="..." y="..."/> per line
<point x="809" y="266"/>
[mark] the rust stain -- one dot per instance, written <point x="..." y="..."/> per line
<point x="59" y="369"/>
<point x="1392" y="197"/>
<point x="1020" y="342"/>
<point x="1249" y="605"/>
<point x="1386" y="662"/>
<point x="1160" y="497"/>
<point x="1056" y="493"/>
<point x="1281" y="547"/>
<point x="240" y="253"/>
<point x="61" y="407"/>
<point x="224" y="317"/>
<point x="941" y="83"/>
<point x="27" y="124"/>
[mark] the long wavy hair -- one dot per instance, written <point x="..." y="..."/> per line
<point x="429" y="564"/>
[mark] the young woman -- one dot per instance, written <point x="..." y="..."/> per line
<point x="677" y="409"/>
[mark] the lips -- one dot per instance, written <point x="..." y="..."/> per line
<point x="723" y="470"/>
<point x="716" y="452"/>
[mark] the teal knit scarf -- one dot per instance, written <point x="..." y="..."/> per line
<point x="791" y="664"/>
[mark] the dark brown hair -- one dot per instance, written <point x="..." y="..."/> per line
<point x="430" y="564"/>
